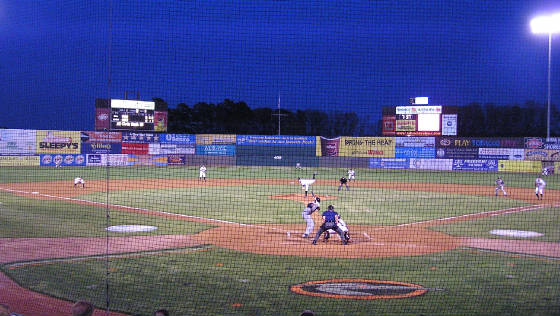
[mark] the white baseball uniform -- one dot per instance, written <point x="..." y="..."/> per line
<point x="306" y="214"/>
<point x="202" y="173"/>
<point x="500" y="186"/>
<point x="305" y="183"/>
<point x="342" y="225"/>
<point x="79" y="180"/>
<point x="351" y="175"/>
<point x="539" y="187"/>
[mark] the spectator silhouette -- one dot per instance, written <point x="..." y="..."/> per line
<point x="82" y="308"/>
<point x="161" y="312"/>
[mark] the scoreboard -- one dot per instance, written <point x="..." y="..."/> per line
<point x="420" y="120"/>
<point x="130" y="115"/>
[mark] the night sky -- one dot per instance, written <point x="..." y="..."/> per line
<point x="57" y="56"/>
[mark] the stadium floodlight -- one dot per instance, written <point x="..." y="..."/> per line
<point x="547" y="25"/>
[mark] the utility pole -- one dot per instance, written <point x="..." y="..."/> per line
<point x="279" y="114"/>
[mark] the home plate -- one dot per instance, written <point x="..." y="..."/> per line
<point x="515" y="233"/>
<point x="34" y="192"/>
<point x="130" y="228"/>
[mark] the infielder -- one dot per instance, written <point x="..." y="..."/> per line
<point x="202" y="173"/>
<point x="539" y="187"/>
<point x="78" y="181"/>
<point x="306" y="214"/>
<point x="500" y="186"/>
<point x="330" y="221"/>
<point x="351" y="174"/>
<point x="305" y="183"/>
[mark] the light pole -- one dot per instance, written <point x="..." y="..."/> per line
<point x="549" y="24"/>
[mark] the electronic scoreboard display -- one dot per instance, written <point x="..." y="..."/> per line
<point x="133" y="115"/>
<point x="420" y="120"/>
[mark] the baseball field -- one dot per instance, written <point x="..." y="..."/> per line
<point x="137" y="239"/>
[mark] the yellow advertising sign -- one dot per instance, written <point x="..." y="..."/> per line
<point x="215" y="139"/>
<point x="519" y="166"/>
<point x="58" y="142"/>
<point x="19" y="161"/>
<point x="367" y="147"/>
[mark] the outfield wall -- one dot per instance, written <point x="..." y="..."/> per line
<point x="86" y="148"/>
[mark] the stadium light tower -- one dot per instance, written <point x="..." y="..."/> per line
<point x="549" y="24"/>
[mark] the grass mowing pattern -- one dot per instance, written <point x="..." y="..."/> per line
<point x="211" y="282"/>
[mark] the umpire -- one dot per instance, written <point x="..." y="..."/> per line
<point x="330" y="221"/>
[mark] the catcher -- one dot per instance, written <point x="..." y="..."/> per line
<point x="342" y="226"/>
<point x="330" y="221"/>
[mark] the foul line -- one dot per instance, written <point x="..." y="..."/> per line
<point x="117" y="206"/>
<point x="125" y="255"/>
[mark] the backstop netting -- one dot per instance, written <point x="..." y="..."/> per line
<point x="278" y="158"/>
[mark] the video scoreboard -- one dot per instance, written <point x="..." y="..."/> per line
<point x="419" y="120"/>
<point x="129" y="115"/>
<point x="132" y="115"/>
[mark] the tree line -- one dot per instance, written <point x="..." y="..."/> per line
<point x="230" y="117"/>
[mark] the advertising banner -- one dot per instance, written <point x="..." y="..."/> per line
<point x="101" y="148"/>
<point x="102" y="119"/>
<point x="275" y="140"/>
<point x="140" y="137"/>
<point x="215" y="150"/>
<point x="449" y="124"/>
<point x="134" y="148"/>
<point x="176" y="160"/>
<point x="63" y="160"/>
<point x="328" y="147"/>
<point x="178" y="139"/>
<point x="415" y="142"/>
<point x="466" y="142"/>
<point x="415" y="152"/>
<point x="96" y="160"/>
<point x="160" y="121"/>
<point x="534" y="142"/>
<point x="475" y="165"/>
<point x="405" y="126"/>
<point x="552" y="143"/>
<point x="147" y="160"/>
<point x="168" y="148"/>
<point x="215" y="139"/>
<point x="17" y="142"/>
<point x="542" y="154"/>
<point x="58" y="142"/>
<point x="19" y="161"/>
<point x="519" y="166"/>
<point x="101" y="137"/>
<point x="388" y="163"/>
<point x="389" y="125"/>
<point x="501" y="153"/>
<point x="457" y="153"/>
<point x="367" y="147"/>
<point x="431" y="164"/>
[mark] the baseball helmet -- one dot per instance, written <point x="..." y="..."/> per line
<point x="318" y="199"/>
<point x="331" y="207"/>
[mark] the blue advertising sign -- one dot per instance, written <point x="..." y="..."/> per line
<point x="101" y="148"/>
<point x="175" y="160"/>
<point x="457" y="153"/>
<point x="276" y="140"/>
<point x="215" y="150"/>
<point x="475" y="165"/>
<point x="63" y="160"/>
<point x="388" y="163"/>
<point x="415" y="152"/>
<point x="140" y="137"/>
<point x="178" y="138"/>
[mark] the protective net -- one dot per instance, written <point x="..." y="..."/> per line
<point x="278" y="158"/>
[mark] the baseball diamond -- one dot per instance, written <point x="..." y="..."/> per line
<point x="425" y="236"/>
